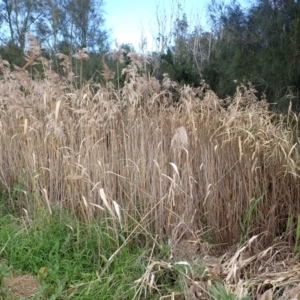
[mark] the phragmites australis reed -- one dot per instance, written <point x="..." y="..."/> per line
<point x="202" y="165"/>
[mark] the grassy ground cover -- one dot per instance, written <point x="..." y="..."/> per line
<point x="67" y="258"/>
<point x="60" y="257"/>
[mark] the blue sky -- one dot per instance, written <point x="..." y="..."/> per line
<point x="129" y="18"/>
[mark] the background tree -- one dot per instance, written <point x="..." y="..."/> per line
<point x="182" y="49"/>
<point x="20" y="16"/>
<point x="251" y="46"/>
<point x="64" y="26"/>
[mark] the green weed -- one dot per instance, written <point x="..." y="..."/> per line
<point x="219" y="293"/>
<point x="67" y="257"/>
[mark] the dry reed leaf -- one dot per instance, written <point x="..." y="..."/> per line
<point x="25" y="126"/>
<point x="118" y="211"/>
<point x="233" y="267"/>
<point x="267" y="295"/>
<point x="106" y="204"/>
<point x="208" y="191"/>
<point x="241" y="289"/>
<point x="57" y="106"/>
<point x="75" y="177"/>
<point x="291" y="293"/>
<point x="156" y="164"/>
<point x="147" y="281"/>
<point x="175" y="168"/>
<point x="47" y="200"/>
<point x="85" y="202"/>
<point x="98" y="206"/>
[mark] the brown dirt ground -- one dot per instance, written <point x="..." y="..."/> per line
<point x="24" y="286"/>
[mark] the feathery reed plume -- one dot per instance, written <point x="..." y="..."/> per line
<point x="82" y="54"/>
<point x="107" y="73"/>
<point x="66" y="62"/>
<point x="118" y="56"/>
<point x="137" y="59"/>
<point x="118" y="53"/>
<point x="167" y="83"/>
<point x="33" y="52"/>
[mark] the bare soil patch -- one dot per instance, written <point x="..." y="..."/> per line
<point x="24" y="286"/>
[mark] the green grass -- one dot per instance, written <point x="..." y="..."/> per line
<point x="70" y="258"/>
<point x="219" y="293"/>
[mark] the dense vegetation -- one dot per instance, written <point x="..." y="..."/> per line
<point x="217" y="181"/>
<point x="121" y="181"/>
<point x="260" y="44"/>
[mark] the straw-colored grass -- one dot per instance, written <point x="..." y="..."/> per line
<point x="193" y="167"/>
<point x="200" y="170"/>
